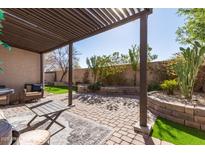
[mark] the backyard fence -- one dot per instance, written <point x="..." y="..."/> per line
<point x="84" y="75"/>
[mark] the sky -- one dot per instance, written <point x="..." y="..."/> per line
<point x="162" y="26"/>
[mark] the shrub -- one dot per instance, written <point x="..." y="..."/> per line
<point x="169" y="86"/>
<point x="95" y="86"/>
<point x="154" y="86"/>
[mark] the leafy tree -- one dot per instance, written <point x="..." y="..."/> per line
<point x="93" y="64"/>
<point x="134" y="59"/>
<point x="110" y="67"/>
<point x="58" y="59"/>
<point x="5" y="45"/>
<point x="193" y="29"/>
<point x="106" y="66"/>
<point x="187" y="67"/>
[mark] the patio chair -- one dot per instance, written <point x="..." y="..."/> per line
<point x="32" y="92"/>
<point x="10" y="136"/>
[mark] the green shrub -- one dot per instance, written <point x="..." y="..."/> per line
<point x="95" y="86"/>
<point x="169" y="86"/>
<point x="154" y="87"/>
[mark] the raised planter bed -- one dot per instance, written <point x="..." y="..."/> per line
<point x="177" y="110"/>
<point x="110" y="90"/>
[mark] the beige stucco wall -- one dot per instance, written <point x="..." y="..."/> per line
<point x="20" y="67"/>
<point x="50" y="77"/>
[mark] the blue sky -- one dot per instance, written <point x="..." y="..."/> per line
<point x="163" y="24"/>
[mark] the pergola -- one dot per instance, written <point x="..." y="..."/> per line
<point x="44" y="30"/>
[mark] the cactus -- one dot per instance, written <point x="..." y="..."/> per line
<point x="187" y="67"/>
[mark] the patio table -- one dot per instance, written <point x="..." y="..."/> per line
<point x="51" y="109"/>
<point x="6" y="91"/>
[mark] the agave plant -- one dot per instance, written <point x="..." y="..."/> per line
<point x="187" y="67"/>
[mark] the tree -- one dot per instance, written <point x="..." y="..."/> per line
<point x="193" y="29"/>
<point x="134" y="59"/>
<point x="5" y="45"/>
<point x="110" y="68"/>
<point x="93" y="64"/>
<point x="59" y="59"/>
<point x="106" y="66"/>
<point x="187" y="67"/>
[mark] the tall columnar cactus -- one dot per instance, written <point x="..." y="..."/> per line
<point x="187" y="67"/>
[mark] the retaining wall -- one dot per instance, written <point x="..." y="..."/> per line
<point x="188" y="115"/>
<point x="110" y="90"/>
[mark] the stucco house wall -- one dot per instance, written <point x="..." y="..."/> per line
<point x="20" y="67"/>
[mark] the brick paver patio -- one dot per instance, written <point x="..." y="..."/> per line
<point x="121" y="120"/>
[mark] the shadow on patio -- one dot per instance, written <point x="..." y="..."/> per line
<point x="86" y="123"/>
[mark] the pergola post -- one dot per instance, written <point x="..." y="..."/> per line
<point x="142" y="125"/>
<point x="143" y="71"/>
<point x="42" y="71"/>
<point x="70" y="74"/>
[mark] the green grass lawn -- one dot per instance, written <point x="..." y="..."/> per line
<point x="56" y="89"/>
<point x="177" y="134"/>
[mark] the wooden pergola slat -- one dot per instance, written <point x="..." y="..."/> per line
<point x="54" y="28"/>
<point x="79" y="15"/>
<point x="99" y="17"/>
<point x="126" y="12"/>
<point x="59" y="20"/>
<point x="89" y="16"/>
<point x="33" y="30"/>
<point x="40" y="22"/>
<point x="120" y="13"/>
<point x="104" y="15"/>
<point x="114" y="14"/>
<point x="109" y="15"/>
<point x="74" y="19"/>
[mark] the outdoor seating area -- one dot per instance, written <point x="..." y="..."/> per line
<point x="32" y="92"/>
<point x="127" y="98"/>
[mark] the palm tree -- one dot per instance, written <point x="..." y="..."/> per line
<point x="134" y="59"/>
<point x="93" y="64"/>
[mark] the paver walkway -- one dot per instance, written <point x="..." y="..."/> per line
<point x="115" y="112"/>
